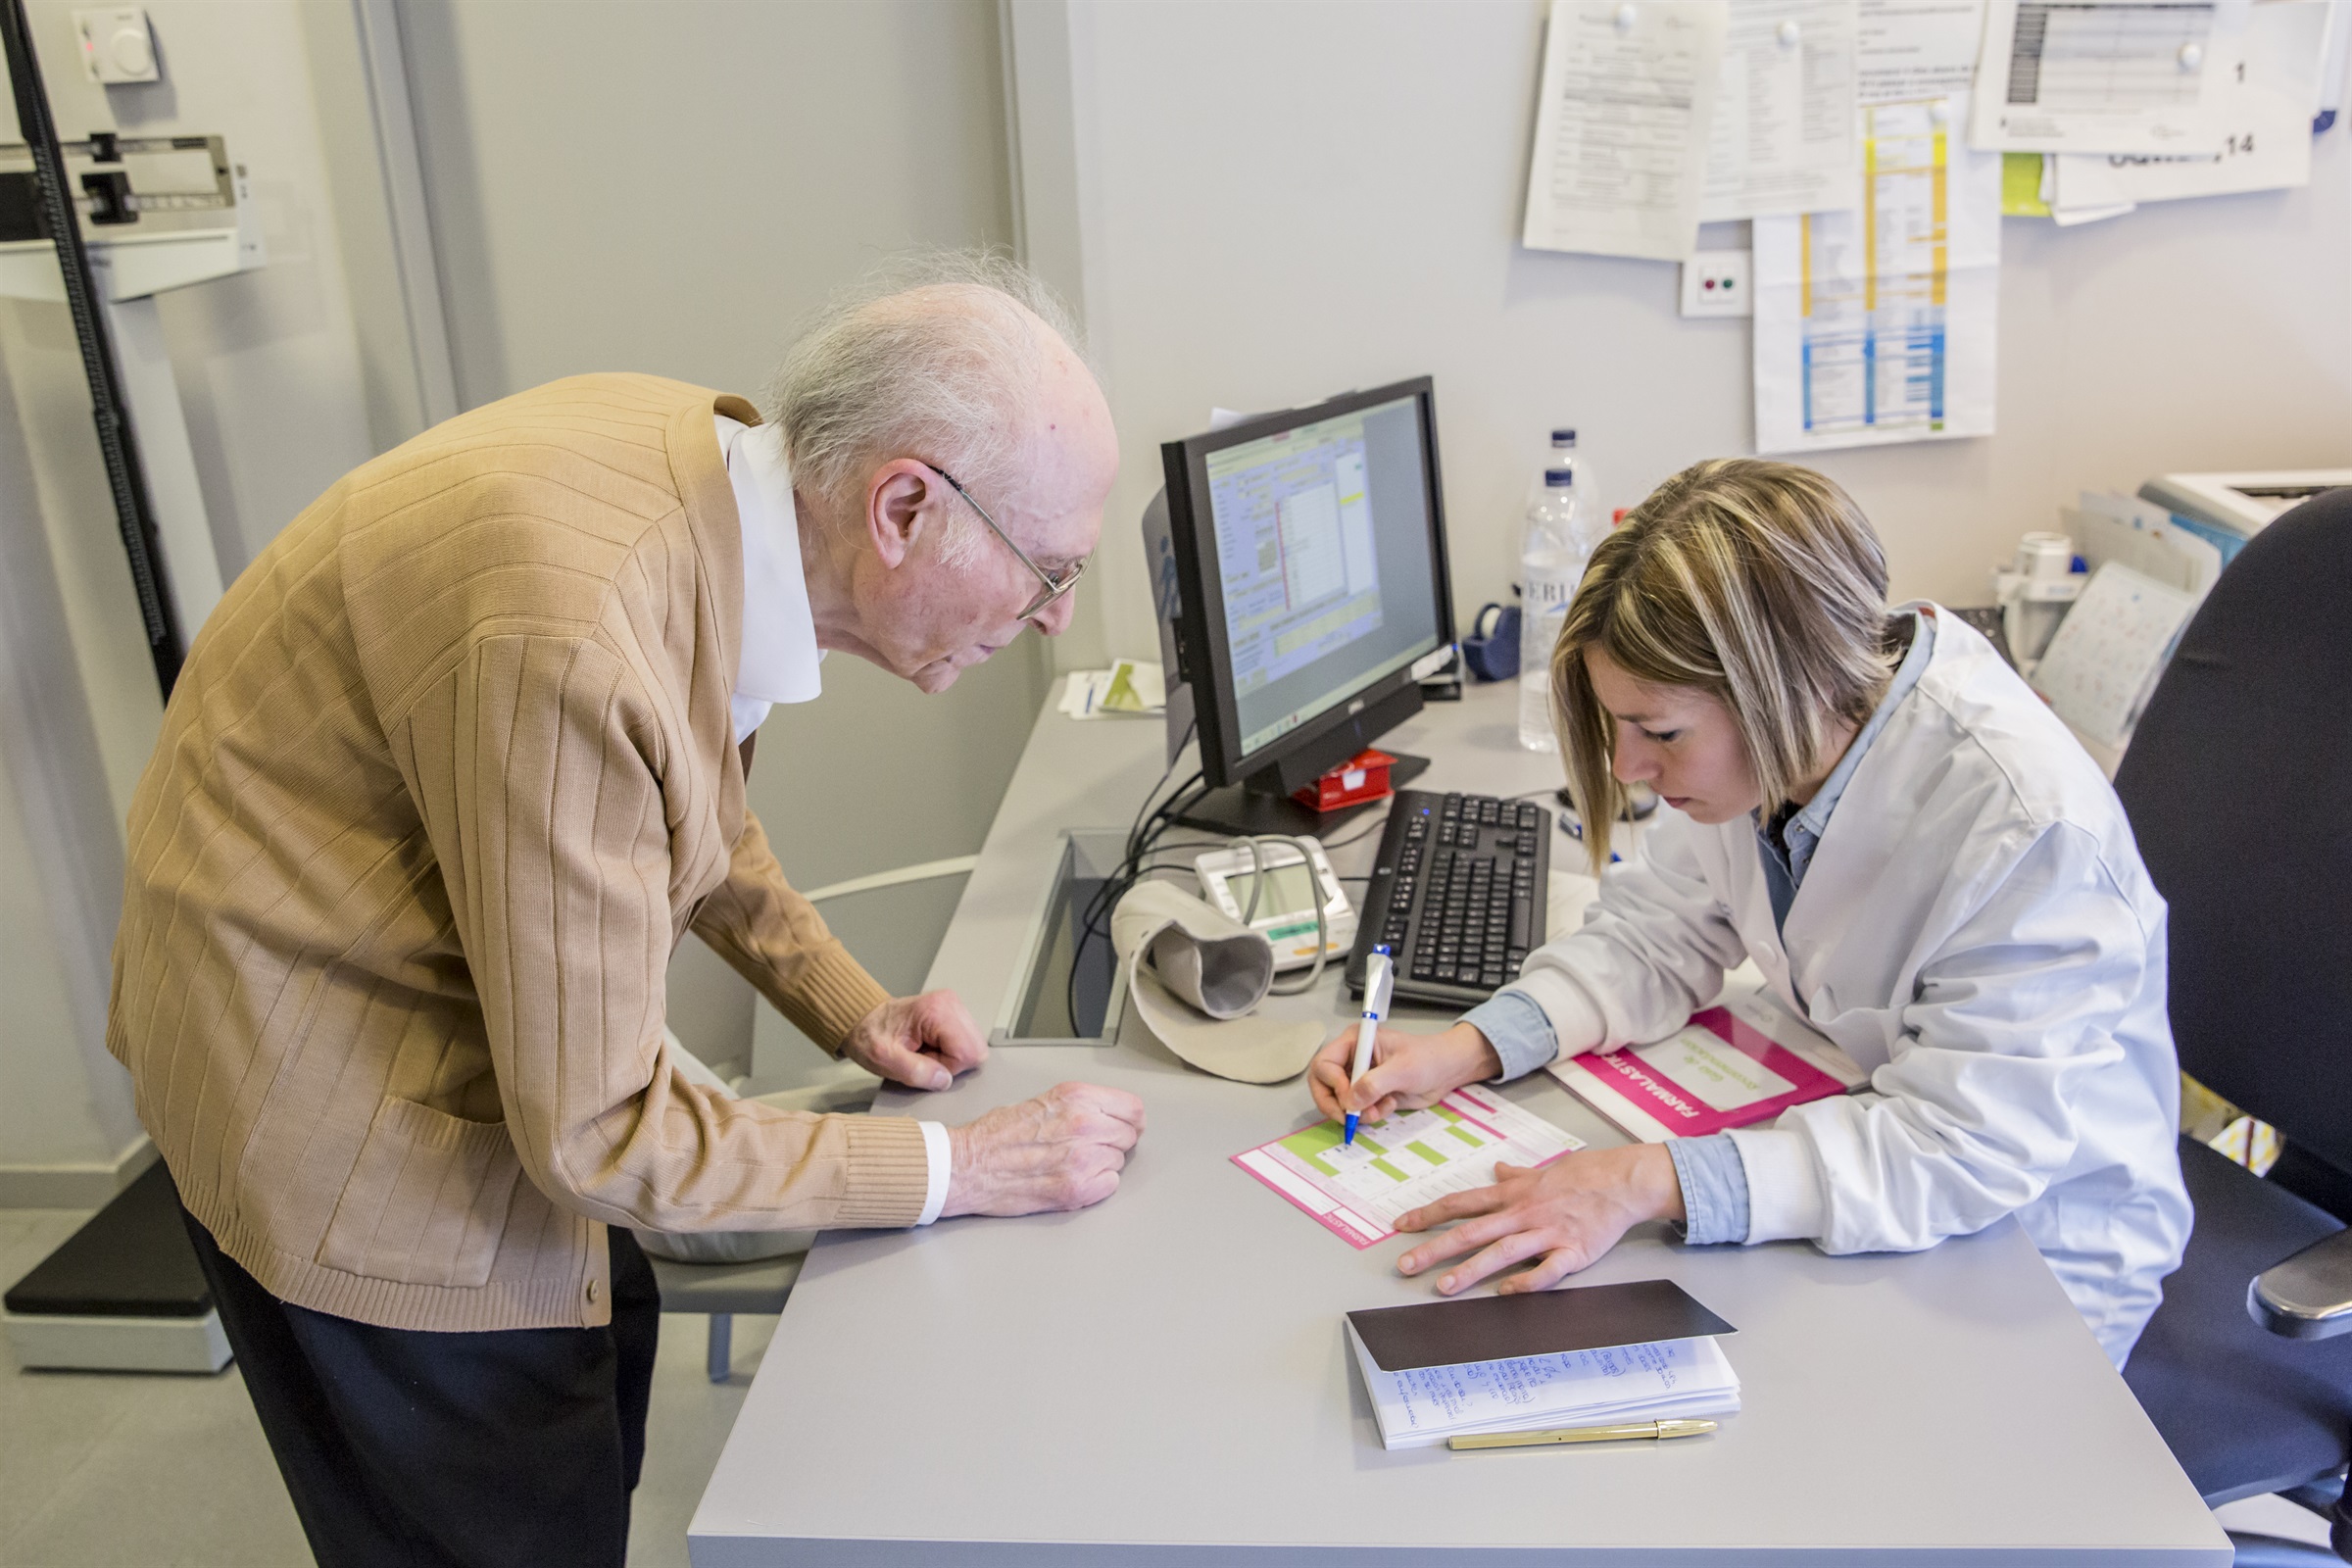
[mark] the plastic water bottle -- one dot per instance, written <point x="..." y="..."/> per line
<point x="1553" y="554"/>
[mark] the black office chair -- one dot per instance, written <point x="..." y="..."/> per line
<point x="2238" y="783"/>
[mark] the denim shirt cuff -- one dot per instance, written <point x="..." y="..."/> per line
<point x="1518" y="1030"/>
<point x="1714" y="1187"/>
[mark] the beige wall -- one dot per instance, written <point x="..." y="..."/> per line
<point x="652" y="186"/>
<point x="269" y="378"/>
<point x="667" y="188"/>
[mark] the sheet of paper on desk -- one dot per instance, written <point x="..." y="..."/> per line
<point x="1908" y="50"/>
<point x="1882" y="331"/>
<point x="1782" y="137"/>
<point x="2103" y="76"/>
<point x="2265" y="100"/>
<point x="1620" y="160"/>
<point x="1394" y="1166"/>
<point x="2106" y="654"/>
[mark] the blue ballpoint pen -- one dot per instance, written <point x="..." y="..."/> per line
<point x="1380" y="982"/>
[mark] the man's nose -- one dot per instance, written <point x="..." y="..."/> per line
<point x="1055" y="618"/>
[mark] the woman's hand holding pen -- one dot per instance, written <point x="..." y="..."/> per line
<point x="1567" y="1214"/>
<point x="1409" y="1072"/>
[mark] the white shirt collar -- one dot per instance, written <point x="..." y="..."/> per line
<point x="780" y="657"/>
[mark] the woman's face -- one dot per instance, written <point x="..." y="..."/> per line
<point x="1679" y="740"/>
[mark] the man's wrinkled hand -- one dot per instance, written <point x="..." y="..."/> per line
<point x="1063" y="1150"/>
<point x="1567" y="1214"/>
<point x="922" y="1041"/>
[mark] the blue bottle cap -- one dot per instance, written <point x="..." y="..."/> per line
<point x="1558" y="478"/>
<point x="1563" y="438"/>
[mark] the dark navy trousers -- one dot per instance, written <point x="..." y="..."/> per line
<point x="404" y="1449"/>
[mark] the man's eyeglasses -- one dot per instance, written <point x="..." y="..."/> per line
<point x="1053" y="587"/>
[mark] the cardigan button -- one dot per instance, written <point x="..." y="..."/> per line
<point x="592" y="1290"/>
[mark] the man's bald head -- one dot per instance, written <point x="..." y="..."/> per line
<point x="958" y="359"/>
<point x="960" y="366"/>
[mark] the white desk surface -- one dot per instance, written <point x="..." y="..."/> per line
<point x="1162" y="1379"/>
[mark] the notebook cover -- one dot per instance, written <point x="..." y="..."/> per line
<point x="1498" y="1328"/>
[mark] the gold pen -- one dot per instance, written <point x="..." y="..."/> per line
<point x="1616" y="1434"/>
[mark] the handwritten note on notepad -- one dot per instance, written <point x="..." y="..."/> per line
<point x="1625" y="1383"/>
<point x="2105" y="657"/>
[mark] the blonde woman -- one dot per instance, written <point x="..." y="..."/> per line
<point x="1918" y="857"/>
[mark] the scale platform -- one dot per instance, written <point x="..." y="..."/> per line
<point x="123" y="1294"/>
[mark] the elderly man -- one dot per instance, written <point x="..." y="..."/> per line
<point x="452" y="769"/>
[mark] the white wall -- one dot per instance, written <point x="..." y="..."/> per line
<point x="268" y="375"/>
<point x="1276" y="200"/>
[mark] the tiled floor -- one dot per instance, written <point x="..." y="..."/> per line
<point x="125" y="1471"/>
<point x="119" y="1471"/>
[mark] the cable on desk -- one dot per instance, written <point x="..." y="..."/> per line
<point x="1141" y="836"/>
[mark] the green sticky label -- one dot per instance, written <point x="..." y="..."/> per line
<point x="1310" y="1145"/>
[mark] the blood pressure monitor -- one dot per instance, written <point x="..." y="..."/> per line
<point x="1286" y="907"/>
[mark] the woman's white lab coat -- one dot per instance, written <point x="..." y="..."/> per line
<point x="1977" y="931"/>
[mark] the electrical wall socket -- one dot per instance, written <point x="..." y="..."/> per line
<point x="1716" y="283"/>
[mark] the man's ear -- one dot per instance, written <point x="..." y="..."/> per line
<point x="902" y="500"/>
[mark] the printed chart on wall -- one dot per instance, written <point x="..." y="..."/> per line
<point x="1396" y="1166"/>
<point x="1876" y="324"/>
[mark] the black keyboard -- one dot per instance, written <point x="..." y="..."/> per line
<point x="1457" y="894"/>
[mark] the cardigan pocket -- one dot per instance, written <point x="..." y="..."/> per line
<point x="426" y="1202"/>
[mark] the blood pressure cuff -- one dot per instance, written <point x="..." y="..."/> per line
<point x="1195" y="974"/>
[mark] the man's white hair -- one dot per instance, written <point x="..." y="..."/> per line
<point x="929" y="357"/>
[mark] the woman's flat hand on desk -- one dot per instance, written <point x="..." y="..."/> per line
<point x="1569" y="1213"/>
<point x="1409" y="1072"/>
<point x="1063" y="1150"/>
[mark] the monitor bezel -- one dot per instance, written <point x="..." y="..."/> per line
<point x="1201" y="627"/>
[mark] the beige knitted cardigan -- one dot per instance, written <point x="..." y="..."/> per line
<point x="448" y="775"/>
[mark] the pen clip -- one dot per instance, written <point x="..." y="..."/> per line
<point x="1379" y="984"/>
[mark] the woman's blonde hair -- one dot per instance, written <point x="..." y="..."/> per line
<point x="1760" y="583"/>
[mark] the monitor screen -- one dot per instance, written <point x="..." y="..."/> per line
<point x="1324" y="554"/>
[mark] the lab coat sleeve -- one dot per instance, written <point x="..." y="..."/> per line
<point x="1977" y="1110"/>
<point x="1653" y="947"/>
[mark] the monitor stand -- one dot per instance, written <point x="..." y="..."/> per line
<point x="1238" y="808"/>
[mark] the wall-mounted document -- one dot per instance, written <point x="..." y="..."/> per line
<point x="1909" y="50"/>
<point x="1878" y="325"/>
<point x="2103" y="76"/>
<point x="1782" y="139"/>
<point x="2263" y="103"/>
<point x="1620" y="157"/>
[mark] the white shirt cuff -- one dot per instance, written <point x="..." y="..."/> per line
<point x="936" y="1147"/>
<point x="1784" y="1197"/>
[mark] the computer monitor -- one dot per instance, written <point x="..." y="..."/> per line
<point x="1309" y="557"/>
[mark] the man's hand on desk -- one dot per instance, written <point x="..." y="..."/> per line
<point x="1409" y="1071"/>
<point x="922" y="1041"/>
<point x="1062" y="1150"/>
<point x="1569" y="1213"/>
